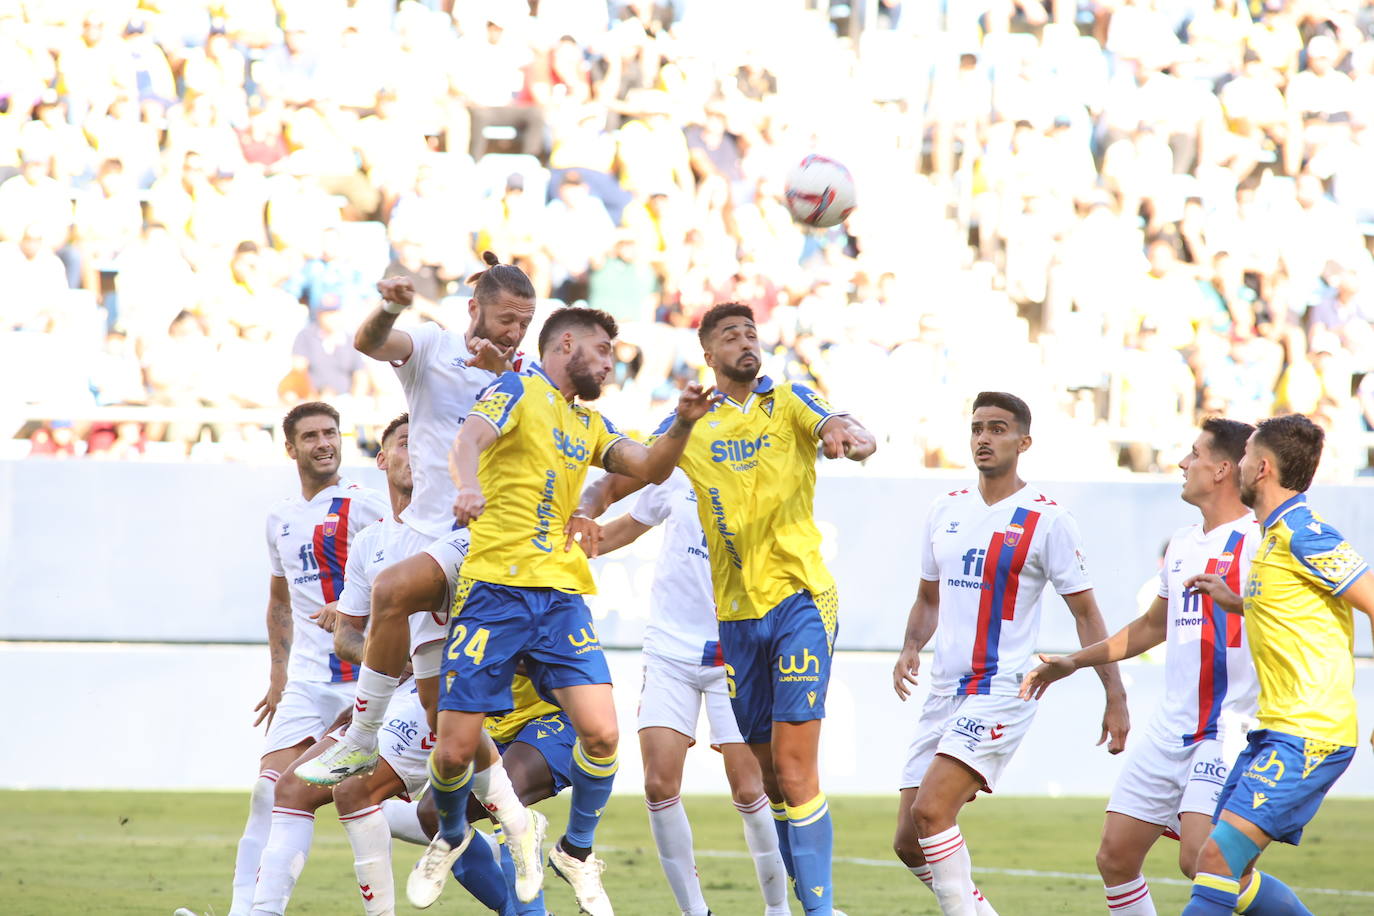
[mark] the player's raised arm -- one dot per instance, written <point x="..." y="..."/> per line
<point x="1116" y="720"/>
<point x="622" y="531"/>
<point x="377" y="336"/>
<point x="842" y="436"/>
<point x="473" y="439"/>
<point x="597" y="497"/>
<point x="920" y="627"/>
<point x="1140" y="635"/>
<point x="653" y="463"/>
<point x="279" y="631"/>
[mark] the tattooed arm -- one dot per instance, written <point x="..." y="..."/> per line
<point x="279" y="645"/>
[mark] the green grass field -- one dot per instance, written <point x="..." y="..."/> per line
<point x="148" y="853"/>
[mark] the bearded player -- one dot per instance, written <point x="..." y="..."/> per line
<point x="442" y="373"/>
<point x="1173" y="774"/>
<point x="753" y="466"/>
<point x="989" y="551"/>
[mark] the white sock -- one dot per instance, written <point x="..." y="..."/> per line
<point x="1130" y="899"/>
<point x="369" y="706"/>
<point x="403" y="820"/>
<point x="673" y="837"/>
<point x="980" y="903"/>
<point x="951" y="872"/>
<point x="762" y="839"/>
<point x="255" y="834"/>
<point x="493" y="789"/>
<point x="370" y="838"/>
<point x="282" y="860"/>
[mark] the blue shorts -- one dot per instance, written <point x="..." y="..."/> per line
<point x="777" y="667"/>
<point x="1279" y="780"/>
<point x="553" y="737"/>
<point x="496" y="626"/>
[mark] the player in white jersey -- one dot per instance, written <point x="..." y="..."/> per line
<point x="989" y="552"/>
<point x="442" y="373"/>
<point x="684" y="668"/>
<point x="308" y="541"/>
<point x="1173" y="777"/>
<point x="405" y="738"/>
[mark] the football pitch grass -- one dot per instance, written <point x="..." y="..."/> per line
<point x="151" y="852"/>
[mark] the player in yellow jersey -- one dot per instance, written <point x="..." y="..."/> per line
<point x="752" y="462"/>
<point x="519" y="464"/>
<point x="1304" y="581"/>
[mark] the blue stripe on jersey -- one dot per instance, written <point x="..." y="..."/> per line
<point x="991" y="607"/>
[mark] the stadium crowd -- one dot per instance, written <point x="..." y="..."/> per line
<point x="1134" y="211"/>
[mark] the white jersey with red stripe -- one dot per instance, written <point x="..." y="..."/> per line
<point x="682" y="621"/>
<point x="440" y="390"/>
<point x="992" y="563"/>
<point x="307" y="544"/>
<point x="374" y="550"/>
<point x="1210" y="685"/>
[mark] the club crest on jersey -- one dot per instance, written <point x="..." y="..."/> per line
<point x="1013" y="534"/>
<point x="767" y="407"/>
<point x="1224" y="563"/>
<point x="331" y="524"/>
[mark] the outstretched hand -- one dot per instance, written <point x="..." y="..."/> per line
<point x="905" y="671"/>
<point x="695" y="402"/>
<point x="838" y="439"/>
<point x="1051" y="669"/>
<point x="487" y="355"/>
<point x="583" y="531"/>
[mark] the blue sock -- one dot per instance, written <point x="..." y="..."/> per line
<point x="592" y="778"/>
<point x="784" y="841"/>
<point x="812" y="838"/>
<point x="478" y="871"/>
<point x="451" y="801"/>
<point x="1213" y="895"/>
<point x="1268" y="896"/>
<point x="536" y="906"/>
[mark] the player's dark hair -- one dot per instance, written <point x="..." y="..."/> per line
<point x="575" y="316"/>
<point x="301" y="411"/>
<point x="1008" y="402"/>
<point x="1228" y="437"/>
<point x="1297" y="446"/>
<point x="394" y="425"/>
<point x="499" y="278"/>
<point x="718" y="313"/>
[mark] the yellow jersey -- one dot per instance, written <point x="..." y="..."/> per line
<point x="532" y="479"/>
<point x="1301" y="634"/>
<point x="753" y="466"/>
<point x="528" y="706"/>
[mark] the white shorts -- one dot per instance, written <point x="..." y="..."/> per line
<point x="982" y="732"/>
<point x="1160" y="780"/>
<point x="672" y="695"/>
<point x="404" y="740"/>
<point x="306" y="711"/>
<point x="428" y="629"/>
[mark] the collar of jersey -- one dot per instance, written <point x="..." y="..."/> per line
<point x="538" y="370"/>
<point x="1284" y="508"/>
<point x="762" y="385"/>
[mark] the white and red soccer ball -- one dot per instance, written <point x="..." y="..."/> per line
<point x="819" y="192"/>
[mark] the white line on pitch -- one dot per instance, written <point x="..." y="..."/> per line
<point x="1022" y="872"/>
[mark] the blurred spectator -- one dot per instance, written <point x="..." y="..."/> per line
<point x="324" y="352"/>
<point x="327" y="281"/>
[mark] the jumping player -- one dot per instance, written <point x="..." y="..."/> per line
<point x="1303" y="582"/>
<point x="753" y="466"/>
<point x="684" y="669"/>
<point x="527" y="446"/>
<point x="989" y="550"/>
<point x="1173" y="776"/>
<point x="442" y="372"/>
<point x="308" y="541"/>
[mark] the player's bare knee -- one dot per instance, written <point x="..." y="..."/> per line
<point x="1111" y="865"/>
<point x="931" y="814"/>
<point x="296" y="794"/>
<point x="390" y="596"/>
<point x="351" y="795"/>
<point x="798" y="783"/>
<point x="1187" y="862"/>
<point x="747" y="792"/>
<point x="659" y="787"/>
<point x="907" y="850"/>
<point x="601" y="741"/>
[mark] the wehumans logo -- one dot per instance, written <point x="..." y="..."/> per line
<point x="584" y="640"/>
<point x="1273" y="763"/>
<point x="799" y="670"/>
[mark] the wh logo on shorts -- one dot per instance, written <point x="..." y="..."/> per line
<point x="584" y="640"/>
<point x="792" y="666"/>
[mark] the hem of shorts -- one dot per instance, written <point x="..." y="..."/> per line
<point x="313" y="739"/>
<point x="487" y="711"/>
<point x="799" y="719"/>
<point x="985" y="787"/>
<point x="1142" y="817"/>
<point x="641" y="725"/>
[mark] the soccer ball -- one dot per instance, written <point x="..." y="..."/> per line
<point x="820" y="192"/>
